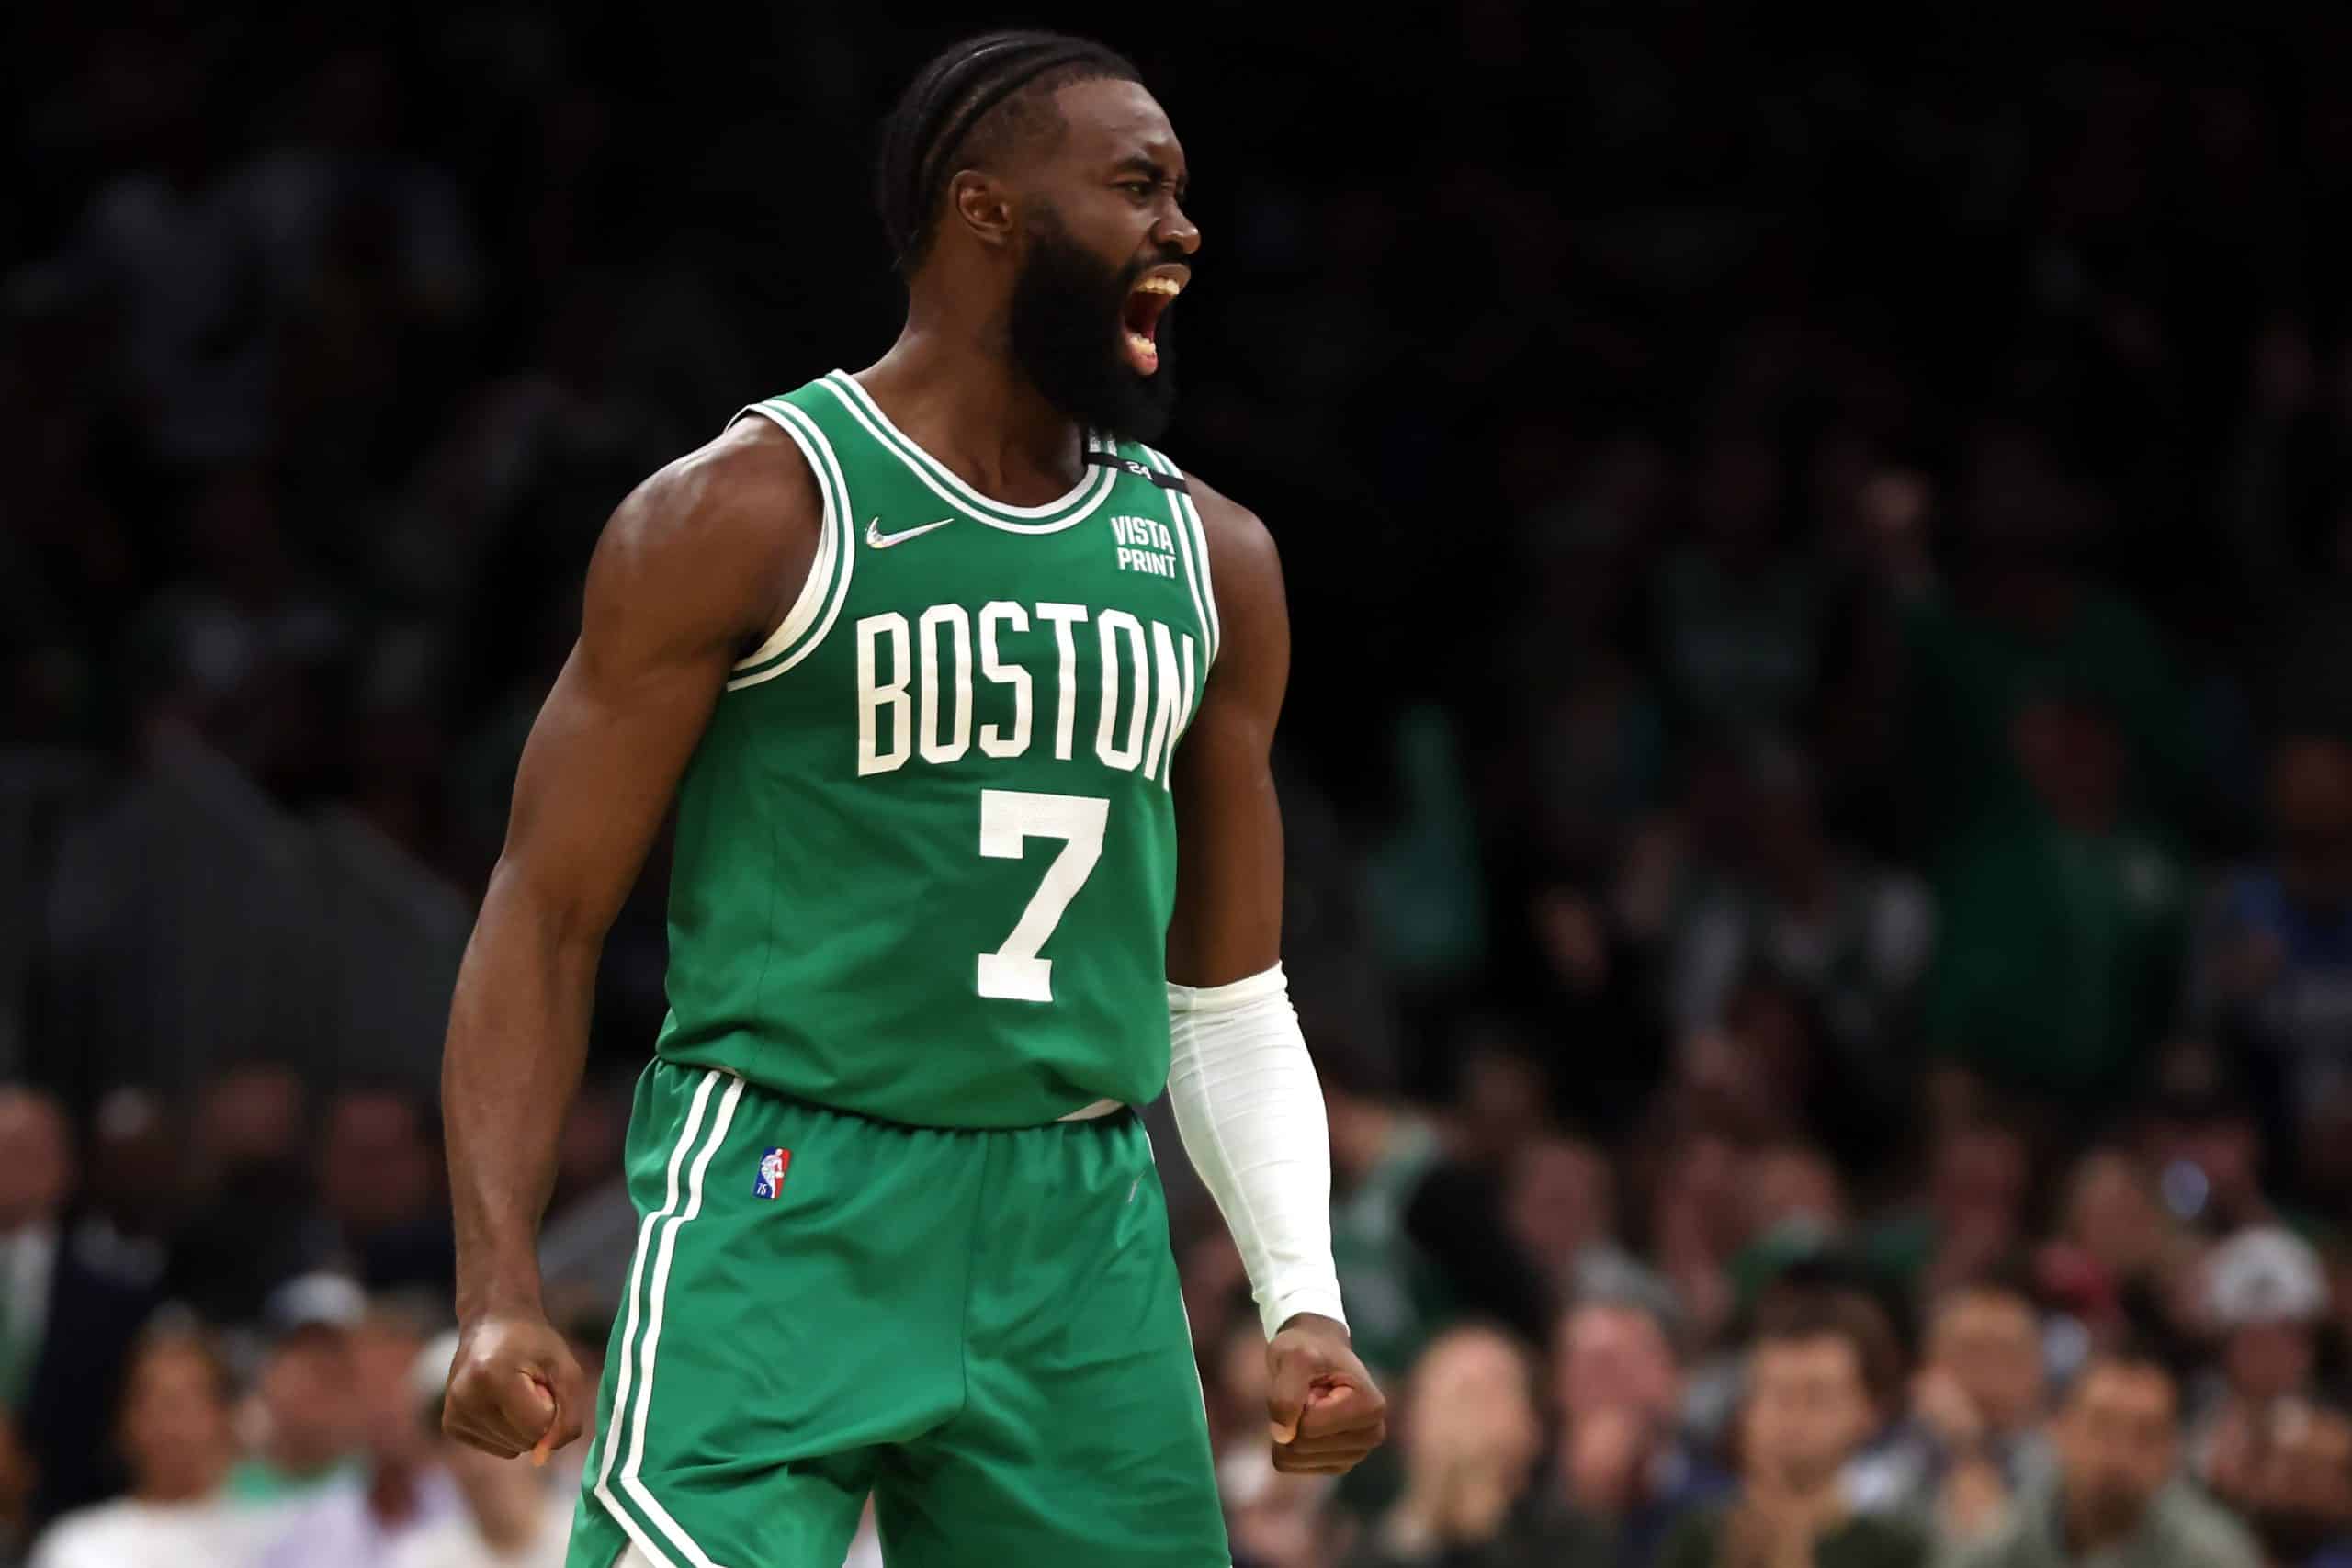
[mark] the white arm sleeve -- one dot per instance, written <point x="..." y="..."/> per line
<point x="1250" y="1113"/>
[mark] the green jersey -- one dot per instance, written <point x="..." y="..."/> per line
<point x="926" y="852"/>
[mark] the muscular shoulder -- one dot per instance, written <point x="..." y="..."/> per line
<point x="1244" y="572"/>
<point x="1240" y="544"/>
<point x="712" y="547"/>
<point x="1245" y="575"/>
<point x="742" y="500"/>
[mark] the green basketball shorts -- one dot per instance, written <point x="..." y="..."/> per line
<point x="980" y="1328"/>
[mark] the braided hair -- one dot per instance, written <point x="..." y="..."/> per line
<point x="967" y="105"/>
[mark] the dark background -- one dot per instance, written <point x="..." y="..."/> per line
<point x="1819" y="551"/>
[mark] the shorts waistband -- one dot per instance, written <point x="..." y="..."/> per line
<point x="1098" y="1110"/>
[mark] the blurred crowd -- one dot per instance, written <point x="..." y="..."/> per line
<point x="1819" y="770"/>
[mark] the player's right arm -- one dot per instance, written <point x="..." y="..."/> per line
<point x="693" y="571"/>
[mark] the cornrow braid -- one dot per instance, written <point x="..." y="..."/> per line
<point x="936" y="118"/>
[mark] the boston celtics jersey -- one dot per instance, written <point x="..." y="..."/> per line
<point x="926" y="852"/>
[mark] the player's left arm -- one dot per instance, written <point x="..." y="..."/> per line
<point x="1243" y="1088"/>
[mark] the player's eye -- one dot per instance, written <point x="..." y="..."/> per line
<point x="1140" y="189"/>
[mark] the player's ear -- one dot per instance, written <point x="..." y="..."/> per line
<point x="983" y="204"/>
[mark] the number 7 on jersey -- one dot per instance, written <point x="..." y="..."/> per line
<point x="1009" y="818"/>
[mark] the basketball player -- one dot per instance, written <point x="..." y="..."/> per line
<point x="965" y="696"/>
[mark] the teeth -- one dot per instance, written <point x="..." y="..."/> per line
<point x="1161" y="285"/>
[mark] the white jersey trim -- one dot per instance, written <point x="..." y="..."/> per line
<point x="819" y="601"/>
<point x="811" y="601"/>
<point x="629" y="1417"/>
<point x="1189" y="528"/>
<point x="943" y="481"/>
<point x="645" y="1352"/>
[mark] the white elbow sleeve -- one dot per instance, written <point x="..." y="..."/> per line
<point x="1250" y="1113"/>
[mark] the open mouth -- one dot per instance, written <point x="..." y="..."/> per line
<point x="1139" y="321"/>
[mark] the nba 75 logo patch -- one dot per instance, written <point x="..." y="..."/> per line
<point x="773" y="1165"/>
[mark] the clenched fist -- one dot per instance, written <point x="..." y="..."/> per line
<point x="514" y="1387"/>
<point x="1321" y="1408"/>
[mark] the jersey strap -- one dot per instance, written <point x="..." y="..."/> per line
<point x="826" y="588"/>
<point x="1165" y="473"/>
<point x="1140" y="470"/>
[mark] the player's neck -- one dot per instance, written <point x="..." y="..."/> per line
<point x="959" y="397"/>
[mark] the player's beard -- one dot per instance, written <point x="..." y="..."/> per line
<point x="1067" y="321"/>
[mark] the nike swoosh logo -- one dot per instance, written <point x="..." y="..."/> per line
<point x="881" y="541"/>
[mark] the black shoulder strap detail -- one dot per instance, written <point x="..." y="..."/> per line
<point x="1140" y="470"/>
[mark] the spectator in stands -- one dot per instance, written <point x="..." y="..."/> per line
<point x="1793" y="1194"/>
<point x="301" y="1401"/>
<point x="1807" y="1409"/>
<point x="172" y="241"/>
<point x="2273" y="965"/>
<point x="2025" y="623"/>
<point x="2291" y="1479"/>
<point x="1797" y="1248"/>
<point x="124" y="1222"/>
<point x="1850" y="939"/>
<point x="175" y="1437"/>
<point x="2304" y="1511"/>
<point x="67" y="1315"/>
<point x="1560" y="1206"/>
<point x="1595" y="731"/>
<point x="2117" y="1496"/>
<point x="1424" y="897"/>
<point x="1470" y="1438"/>
<point x="2115" y="1239"/>
<point x="368" y="249"/>
<point x="513" y="1517"/>
<point x="1737" y="613"/>
<point x="2203" y="1139"/>
<point x="1592" y="985"/>
<point x="1974" y="1217"/>
<point x="1624" y="1464"/>
<point x="1455" y="1216"/>
<point x="1811" y="1279"/>
<point x="2266" y="1296"/>
<point x="1501" y="1089"/>
<point x="381" y="1211"/>
<point x="2062" y="920"/>
<point x="1698" y="1212"/>
<point x="252" y="1177"/>
<point x="359" y="1521"/>
<point x="1972" y="1436"/>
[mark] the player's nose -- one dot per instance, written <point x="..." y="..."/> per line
<point x="1177" y="230"/>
